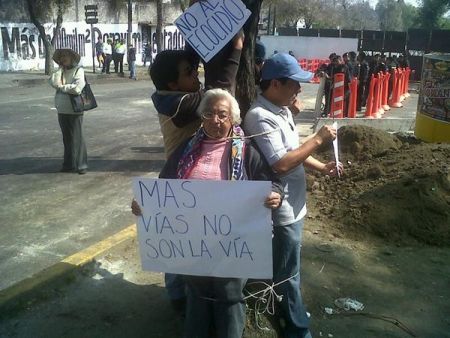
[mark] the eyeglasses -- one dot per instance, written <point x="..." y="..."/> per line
<point x="221" y="116"/>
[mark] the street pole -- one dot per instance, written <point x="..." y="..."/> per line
<point x="90" y="12"/>
<point x="93" y="48"/>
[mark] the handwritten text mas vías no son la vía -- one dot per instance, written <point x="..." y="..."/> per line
<point x="170" y="233"/>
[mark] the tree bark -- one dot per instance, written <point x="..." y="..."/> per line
<point x="159" y="25"/>
<point x="48" y="48"/>
<point x="48" y="44"/>
<point x="245" y="79"/>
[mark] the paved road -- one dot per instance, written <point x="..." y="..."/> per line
<point x="47" y="215"/>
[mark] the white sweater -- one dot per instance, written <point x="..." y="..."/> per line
<point x="69" y="81"/>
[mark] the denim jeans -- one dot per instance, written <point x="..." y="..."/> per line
<point x="175" y="286"/>
<point x="214" y="300"/>
<point x="133" y="69"/>
<point x="286" y="244"/>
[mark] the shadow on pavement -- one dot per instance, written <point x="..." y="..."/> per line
<point x="44" y="165"/>
<point x="96" y="303"/>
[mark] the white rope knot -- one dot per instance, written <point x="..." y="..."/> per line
<point x="266" y="298"/>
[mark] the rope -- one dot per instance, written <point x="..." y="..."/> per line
<point x="265" y="302"/>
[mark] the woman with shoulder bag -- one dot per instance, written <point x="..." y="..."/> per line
<point x="68" y="80"/>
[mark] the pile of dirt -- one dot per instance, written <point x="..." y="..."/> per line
<point x="395" y="187"/>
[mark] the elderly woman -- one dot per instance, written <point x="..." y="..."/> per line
<point x="217" y="151"/>
<point x="68" y="80"/>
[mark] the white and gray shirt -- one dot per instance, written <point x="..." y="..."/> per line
<point x="279" y="136"/>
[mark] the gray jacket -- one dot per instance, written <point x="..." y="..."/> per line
<point x="67" y="81"/>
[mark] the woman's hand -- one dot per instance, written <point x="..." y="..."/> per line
<point x="273" y="201"/>
<point x="330" y="169"/>
<point x="135" y="208"/>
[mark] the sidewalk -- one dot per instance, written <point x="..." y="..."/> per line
<point x="35" y="78"/>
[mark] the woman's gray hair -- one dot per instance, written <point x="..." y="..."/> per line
<point x="213" y="95"/>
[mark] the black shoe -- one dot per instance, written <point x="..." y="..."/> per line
<point x="65" y="170"/>
<point x="82" y="171"/>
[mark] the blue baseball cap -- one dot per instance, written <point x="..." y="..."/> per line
<point x="284" y="65"/>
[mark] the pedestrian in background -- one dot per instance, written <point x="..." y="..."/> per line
<point x="99" y="52"/>
<point x="120" y="50"/>
<point x="107" y="51"/>
<point x="147" y="54"/>
<point x="68" y="80"/>
<point x="260" y="56"/>
<point x="131" y="57"/>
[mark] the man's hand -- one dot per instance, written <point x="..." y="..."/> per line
<point x="273" y="201"/>
<point x="325" y="134"/>
<point x="331" y="169"/>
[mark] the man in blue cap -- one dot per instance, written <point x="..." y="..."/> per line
<point x="271" y="120"/>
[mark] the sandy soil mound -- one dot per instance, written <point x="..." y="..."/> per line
<point x="395" y="187"/>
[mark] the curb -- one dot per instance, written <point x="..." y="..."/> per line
<point x="25" y="291"/>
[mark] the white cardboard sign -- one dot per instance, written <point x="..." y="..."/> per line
<point x="209" y="24"/>
<point x="205" y="228"/>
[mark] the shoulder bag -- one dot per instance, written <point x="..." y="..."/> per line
<point x="84" y="101"/>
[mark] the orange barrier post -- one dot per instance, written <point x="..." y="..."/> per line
<point x="369" y="104"/>
<point x="302" y="63"/>
<point x="377" y="97"/>
<point x="408" y="73"/>
<point x="380" y="93"/>
<point x="352" y="98"/>
<point x="374" y="112"/>
<point x="384" y="101"/>
<point x="385" y="91"/>
<point x="394" y="102"/>
<point x="337" y="99"/>
<point x="402" y="84"/>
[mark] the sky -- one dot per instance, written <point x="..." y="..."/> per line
<point x="415" y="3"/>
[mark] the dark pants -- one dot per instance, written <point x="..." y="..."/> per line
<point x="361" y="98"/>
<point x="119" y="64"/>
<point x="214" y="301"/>
<point x="106" y="63"/>
<point x="75" y="154"/>
<point x="147" y="58"/>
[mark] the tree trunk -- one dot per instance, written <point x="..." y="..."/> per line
<point x="48" y="45"/>
<point x="159" y="25"/>
<point x="245" y="79"/>
<point x="130" y="22"/>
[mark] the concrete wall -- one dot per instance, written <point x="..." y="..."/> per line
<point x="308" y="47"/>
<point x="21" y="48"/>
